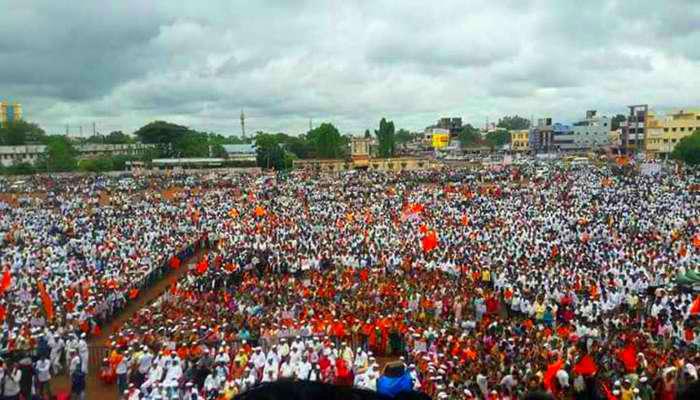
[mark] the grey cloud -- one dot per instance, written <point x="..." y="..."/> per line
<point x="199" y="63"/>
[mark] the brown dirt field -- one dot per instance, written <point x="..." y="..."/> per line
<point x="95" y="388"/>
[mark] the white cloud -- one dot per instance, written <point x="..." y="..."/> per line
<point x="124" y="64"/>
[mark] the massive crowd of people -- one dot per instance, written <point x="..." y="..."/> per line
<point x="486" y="285"/>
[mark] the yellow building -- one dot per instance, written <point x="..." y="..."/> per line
<point x="10" y="112"/>
<point x="519" y="140"/>
<point x="664" y="133"/>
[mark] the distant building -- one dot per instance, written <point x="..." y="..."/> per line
<point x="540" y="138"/>
<point x="451" y="126"/>
<point x="562" y="137"/>
<point x="31" y="154"/>
<point x="240" y="152"/>
<point x="10" y="112"/>
<point x="634" y="128"/>
<point x="593" y="132"/>
<point x="664" y="133"/>
<point x="519" y="140"/>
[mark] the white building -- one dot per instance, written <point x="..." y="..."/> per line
<point x="591" y="133"/>
<point x="31" y="154"/>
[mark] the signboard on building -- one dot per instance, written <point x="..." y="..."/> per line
<point x="441" y="140"/>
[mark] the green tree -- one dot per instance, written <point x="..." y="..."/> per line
<point x="469" y="136"/>
<point x="21" y="132"/>
<point x="118" y="137"/>
<point x="60" y="154"/>
<point x="300" y="147"/>
<point x="192" y="144"/>
<point x="269" y="152"/>
<point x="326" y="141"/>
<point x="498" y="138"/>
<point x="404" y="136"/>
<point x="616" y="121"/>
<point x="367" y="134"/>
<point x="515" y="122"/>
<point x="386" y="138"/>
<point x="688" y="149"/>
<point x="164" y="134"/>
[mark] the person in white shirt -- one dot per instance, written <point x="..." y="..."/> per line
<point x="43" y="376"/>
<point x="122" y="371"/>
<point x="11" y="387"/>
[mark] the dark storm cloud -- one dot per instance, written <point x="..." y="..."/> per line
<point x="199" y="63"/>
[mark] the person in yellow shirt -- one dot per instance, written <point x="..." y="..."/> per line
<point x="539" y="309"/>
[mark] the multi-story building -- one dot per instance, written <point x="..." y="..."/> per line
<point x="11" y="155"/>
<point x="540" y="138"/>
<point x="10" y="112"/>
<point x="562" y="137"/>
<point x="519" y="140"/>
<point x="664" y="133"/>
<point x="634" y="128"/>
<point x="591" y="133"/>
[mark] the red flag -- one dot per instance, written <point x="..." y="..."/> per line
<point x="46" y="300"/>
<point x="133" y="293"/>
<point x="3" y="312"/>
<point x="628" y="357"/>
<point x="586" y="366"/>
<point x="551" y="372"/>
<point x="423" y="229"/>
<point x="695" y="307"/>
<point x="6" y="281"/>
<point x="202" y="266"/>
<point x="259" y="211"/>
<point x="417" y="208"/>
<point x="174" y="262"/>
<point x="429" y="241"/>
<point x="465" y="220"/>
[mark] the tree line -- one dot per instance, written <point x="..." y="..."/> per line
<point x="273" y="150"/>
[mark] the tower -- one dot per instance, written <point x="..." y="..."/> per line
<point x="242" y="124"/>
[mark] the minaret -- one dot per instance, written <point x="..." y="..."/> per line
<point x="242" y="124"/>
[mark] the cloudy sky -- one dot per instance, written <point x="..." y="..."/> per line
<point x="349" y="62"/>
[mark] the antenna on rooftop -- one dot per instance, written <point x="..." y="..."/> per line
<point x="242" y="124"/>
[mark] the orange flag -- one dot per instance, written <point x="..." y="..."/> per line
<point x="628" y="357"/>
<point x="695" y="307"/>
<point x="259" y="211"/>
<point x="174" y="262"/>
<point x="46" y="300"/>
<point x="133" y="293"/>
<point x="586" y="366"/>
<point x="202" y="266"/>
<point x="465" y="220"/>
<point x="233" y="213"/>
<point x="552" y="370"/>
<point x="6" y="281"/>
<point x="696" y="240"/>
<point x="429" y="241"/>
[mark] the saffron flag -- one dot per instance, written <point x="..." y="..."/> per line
<point x="174" y="262"/>
<point x="465" y="220"/>
<point x="259" y="211"/>
<point x="6" y="281"/>
<point x="695" y="307"/>
<point x="429" y="241"/>
<point x="233" y="213"/>
<point x="46" y="300"/>
<point x="133" y="293"/>
<point x="586" y="366"/>
<point x="628" y="357"/>
<point x="551" y="372"/>
<point x="696" y="240"/>
<point x="202" y="266"/>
